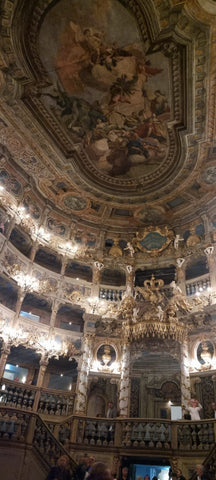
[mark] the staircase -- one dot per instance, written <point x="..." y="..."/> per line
<point x="28" y="448"/>
<point x="30" y="444"/>
<point x="209" y="464"/>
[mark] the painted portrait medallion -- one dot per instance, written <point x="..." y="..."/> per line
<point x="112" y="96"/>
<point x="205" y="352"/>
<point x="106" y="355"/>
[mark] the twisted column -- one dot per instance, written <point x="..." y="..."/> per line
<point x="185" y="375"/>
<point x="124" y="391"/>
<point x="82" y="380"/>
<point x="55" y="307"/>
<point x="42" y="370"/>
<point x="20" y="298"/>
<point x="3" y="359"/>
<point x="210" y="254"/>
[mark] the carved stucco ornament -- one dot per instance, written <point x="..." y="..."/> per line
<point x="115" y="250"/>
<point x="150" y="290"/>
<point x="153" y="240"/>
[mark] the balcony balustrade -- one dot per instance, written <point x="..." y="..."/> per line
<point x="198" y="285"/>
<point x="53" y="403"/>
<point x="137" y="434"/>
<point x="111" y="294"/>
<point x="17" y="395"/>
<point x="13" y="425"/>
<point x="196" y="436"/>
<point x="53" y="438"/>
<point x="33" y="399"/>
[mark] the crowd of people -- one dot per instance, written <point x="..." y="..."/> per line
<point x="89" y="469"/>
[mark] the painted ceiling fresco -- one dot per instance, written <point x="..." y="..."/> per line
<point x="110" y="95"/>
<point x="104" y="108"/>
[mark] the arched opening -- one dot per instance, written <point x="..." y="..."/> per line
<point x="36" y="308"/>
<point x="155" y="378"/>
<point x="79" y="271"/>
<point x="48" y="259"/>
<point x="21" y="241"/>
<point x="167" y="274"/>
<point x="8" y="293"/>
<point x="70" y="318"/>
<point x="197" y="268"/>
<point x="61" y="374"/>
<point x="113" y="277"/>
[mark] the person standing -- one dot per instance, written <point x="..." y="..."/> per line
<point x="111" y="411"/>
<point x="81" y="468"/>
<point x="194" y="409"/>
<point x="124" y="473"/>
<point x="201" y="474"/>
<point x="61" y="471"/>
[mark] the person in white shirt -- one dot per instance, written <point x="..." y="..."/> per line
<point x="194" y="409"/>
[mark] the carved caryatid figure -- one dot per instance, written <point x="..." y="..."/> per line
<point x="178" y="298"/>
<point x="126" y="307"/>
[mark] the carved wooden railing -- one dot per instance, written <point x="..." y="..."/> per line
<point x="137" y="434"/>
<point x="34" y="399"/>
<point x="197" y="285"/>
<point x="48" y="446"/>
<point x="113" y="294"/>
<point x="29" y="428"/>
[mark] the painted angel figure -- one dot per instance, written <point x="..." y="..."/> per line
<point x="130" y="248"/>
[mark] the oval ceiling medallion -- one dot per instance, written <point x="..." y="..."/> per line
<point x="75" y="203"/>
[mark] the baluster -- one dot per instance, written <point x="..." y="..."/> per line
<point x="211" y="434"/>
<point x="64" y="406"/>
<point x="157" y="435"/>
<point x="194" y="436"/>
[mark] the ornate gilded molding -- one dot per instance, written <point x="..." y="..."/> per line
<point x="154" y="328"/>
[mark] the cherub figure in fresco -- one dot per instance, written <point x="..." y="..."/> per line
<point x="92" y="42"/>
<point x="159" y="104"/>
